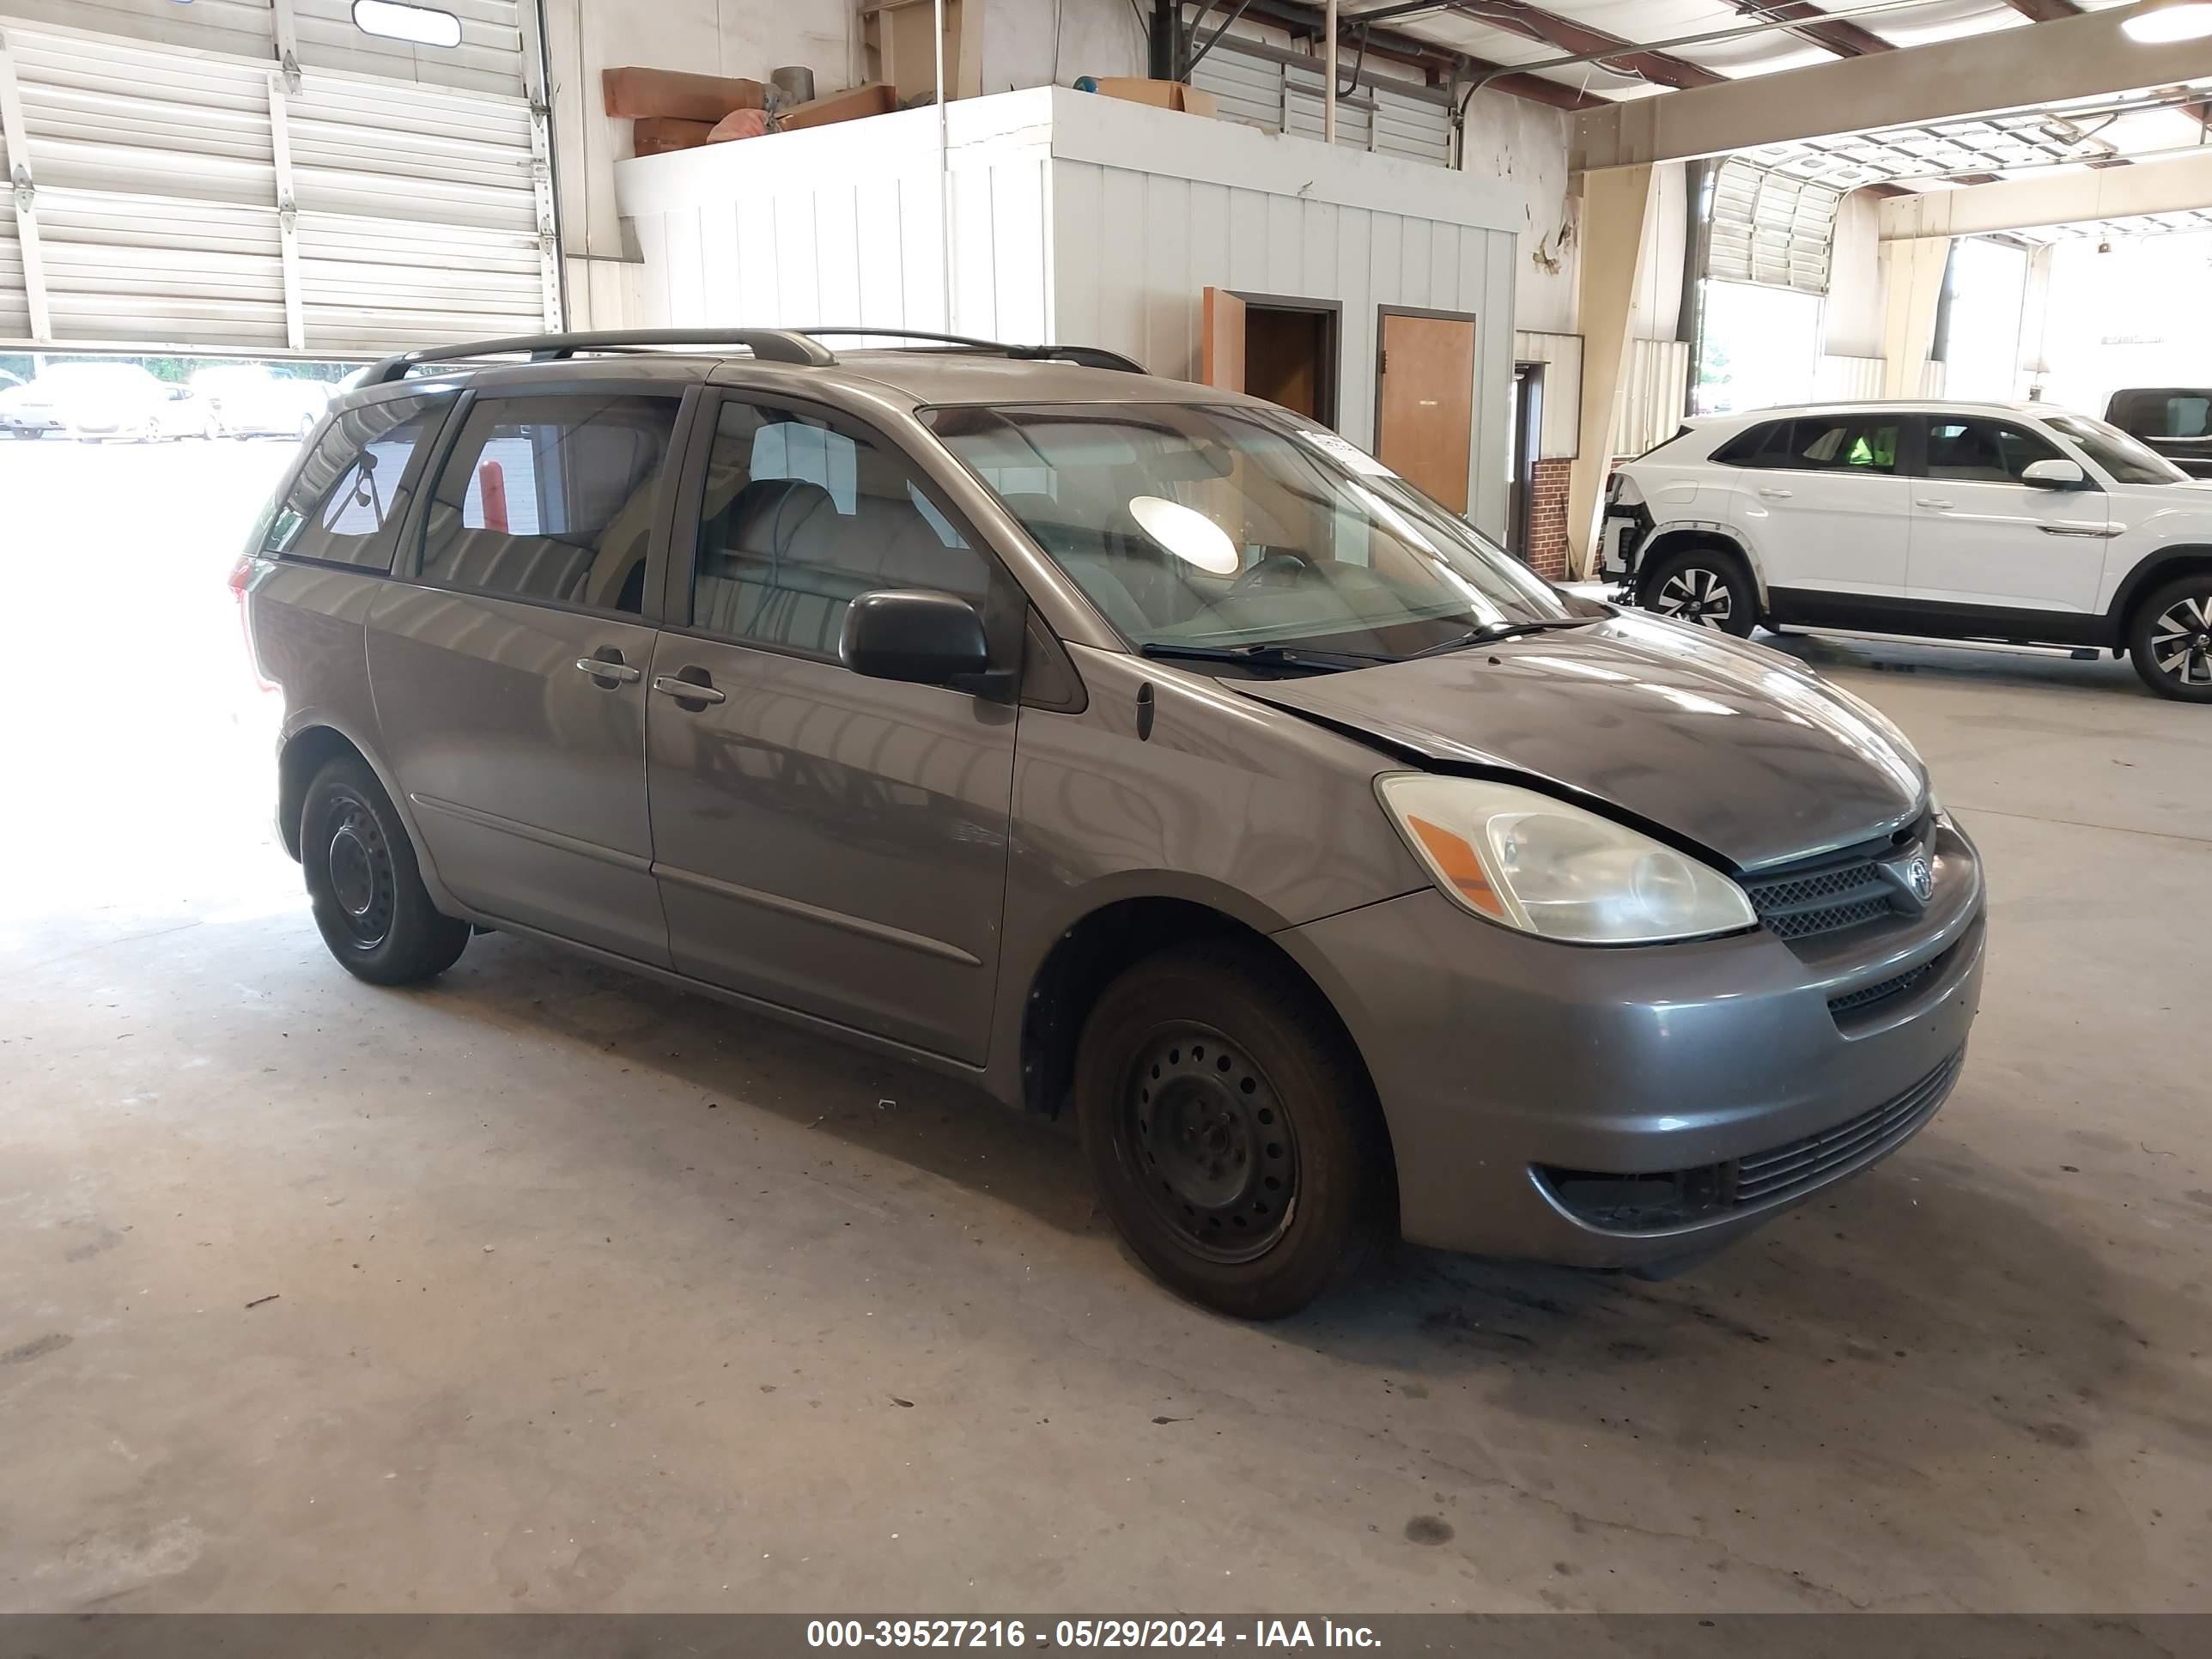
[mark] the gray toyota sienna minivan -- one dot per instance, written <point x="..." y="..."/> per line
<point x="1127" y="747"/>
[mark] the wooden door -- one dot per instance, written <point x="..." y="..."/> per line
<point x="1221" y="341"/>
<point x="1424" y="404"/>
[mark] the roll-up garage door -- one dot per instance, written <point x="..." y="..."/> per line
<point x="1770" y="228"/>
<point x="330" y="194"/>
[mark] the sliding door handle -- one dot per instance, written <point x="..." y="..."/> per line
<point x="690" y="693"/>
<point x="1773" y="494"/>
<point x="1934" y="502"/>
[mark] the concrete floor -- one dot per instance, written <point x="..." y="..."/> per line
<point x="589" y="1295"/>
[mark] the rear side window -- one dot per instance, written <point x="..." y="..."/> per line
<point x="1824" y="443"/>
<point x="801" y="518"/>
<point x="551" y="499"/>
<point x="346" y="504"/>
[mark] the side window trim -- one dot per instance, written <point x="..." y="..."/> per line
<point x="1003" y="617"/>
<point x="415" y="533"/>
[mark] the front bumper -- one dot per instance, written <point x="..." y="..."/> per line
<point x="1538" y="1095"/>
<point x="29" y="423"/>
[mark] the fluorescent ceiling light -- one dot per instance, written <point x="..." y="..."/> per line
<point x="2159" y="26"/>
<point x="426" y="26"/>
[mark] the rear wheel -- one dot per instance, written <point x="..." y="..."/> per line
<point x="1706" y="586"/>
<point x="370" y="904"/>
<point x="2171" y="640"/>
<point x="1232" y="1133"/>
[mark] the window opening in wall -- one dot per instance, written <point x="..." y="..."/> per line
<point x="421" y="26"/>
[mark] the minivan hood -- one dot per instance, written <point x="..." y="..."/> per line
<point x="1736" y="747"/>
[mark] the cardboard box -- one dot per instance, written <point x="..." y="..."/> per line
<point x="875" y="98"/>
<point x="1160" y="94"/>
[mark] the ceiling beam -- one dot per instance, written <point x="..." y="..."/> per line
<point x="1389" y="45"/>
<point x="2052" y="199"/>
<point x="1533" y="22"/>
<point x="2045" y="11"/>
<point x="1809" y="22"/>
<point x="2082" y="57"/>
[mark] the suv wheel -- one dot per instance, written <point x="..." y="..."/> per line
<point x="2170" y="640"/>
<point x="370" y="904"/>
<point x="1232" y="1133"/>
<point x="1705" y="586"/>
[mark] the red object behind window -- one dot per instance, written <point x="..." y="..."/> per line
<point x="491" y="482"/>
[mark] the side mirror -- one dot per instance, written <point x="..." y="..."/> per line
<point x="2054" y="474"/>
<point x="915" y="634"/>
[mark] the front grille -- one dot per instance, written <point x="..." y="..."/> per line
<point x="1822" y="901"/>
<point x="1882" y="990"/>
<point x="1806" y="1163"/>
<point x="1674" y="1198"/>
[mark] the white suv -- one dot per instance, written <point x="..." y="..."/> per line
<point x="2011" y="522"/>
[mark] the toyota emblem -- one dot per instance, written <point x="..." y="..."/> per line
<point x="1921" y="879"/>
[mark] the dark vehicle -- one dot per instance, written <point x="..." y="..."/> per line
<point x="2176" y="421"/>
<point x="1123" y="746"/>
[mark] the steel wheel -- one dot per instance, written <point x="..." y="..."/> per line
<point x="1696" y="594"/>
<point x="1214" y="1150"/>
<point x="359" y="861"/>
<point x="2181" y="641"/>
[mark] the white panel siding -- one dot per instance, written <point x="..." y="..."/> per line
<point x="1562" y="357"/>
<point x="1847" y="380"/>
<point x="1653" y="395"/>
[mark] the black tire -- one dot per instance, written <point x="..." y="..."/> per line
<point x="2169" y="641"/>
<point x="369" y="901"/>
<point x="1248" y="1171"/>
<point x="1706" y="586"/>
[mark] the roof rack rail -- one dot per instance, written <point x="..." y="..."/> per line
<point x="801" y="346"/>
<point x="1082" y="355"/>
<point x="774" y="345"/>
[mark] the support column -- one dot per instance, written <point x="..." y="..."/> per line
<point x="1912" y="289"/>
<point x="1617" y="206"/>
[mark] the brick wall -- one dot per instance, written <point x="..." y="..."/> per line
<point x="1548" y="520"/>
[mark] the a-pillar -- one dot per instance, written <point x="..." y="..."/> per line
<point x="1617" y="206"/>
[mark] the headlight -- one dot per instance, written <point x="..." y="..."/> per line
<point x="1536" y="863"/>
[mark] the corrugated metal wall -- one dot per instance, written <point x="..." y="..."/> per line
<point x="1844" y="380"/>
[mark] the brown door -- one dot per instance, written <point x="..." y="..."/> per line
<point x="1424" y="413"/>
<point x="1221" y="341"/>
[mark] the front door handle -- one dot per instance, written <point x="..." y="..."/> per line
<point x="1930" y="500"/>
<point x="1773" y="494"/>
<point x="608" y="671"/>
<point x="694" y="694"/>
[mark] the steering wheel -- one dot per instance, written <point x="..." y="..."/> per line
<point x="1285" y="562"/>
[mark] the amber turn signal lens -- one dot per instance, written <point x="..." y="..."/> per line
<point x="1455" y="858"/>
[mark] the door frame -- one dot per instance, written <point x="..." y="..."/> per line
<point x="1528" y="454"/>
<point x="1383" y="313"/>
<point x="1330" y="392"/>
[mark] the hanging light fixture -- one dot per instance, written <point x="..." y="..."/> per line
<point x="2163" y="25"/>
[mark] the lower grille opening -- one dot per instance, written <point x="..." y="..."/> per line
<point x="1676" y="1198"/>
<point x="1884" y="990"/>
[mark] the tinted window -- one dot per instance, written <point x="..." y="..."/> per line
<point x="1744" y="448"/>
<point x="2121" y="456"/>
<point x="345" y="506"/>
<point x="2164" y="414"/>
<point x="800" y="518"/>
<point x="1986" y="451"/>
<point x="551" y="499"/>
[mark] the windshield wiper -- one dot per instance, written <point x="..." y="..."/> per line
<point x="1490" y="633"/>
<point x="1260" y="656"/>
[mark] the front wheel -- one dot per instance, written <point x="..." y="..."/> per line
<point x="370" y="904"/>
<point x="2171" y="640"/>
<point x="1233" y="1134"/>
<point x="1706" y="588"/>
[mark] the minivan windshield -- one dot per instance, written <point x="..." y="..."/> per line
<point x="2128" y="460"/>
<point x="1206" y="526"/>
